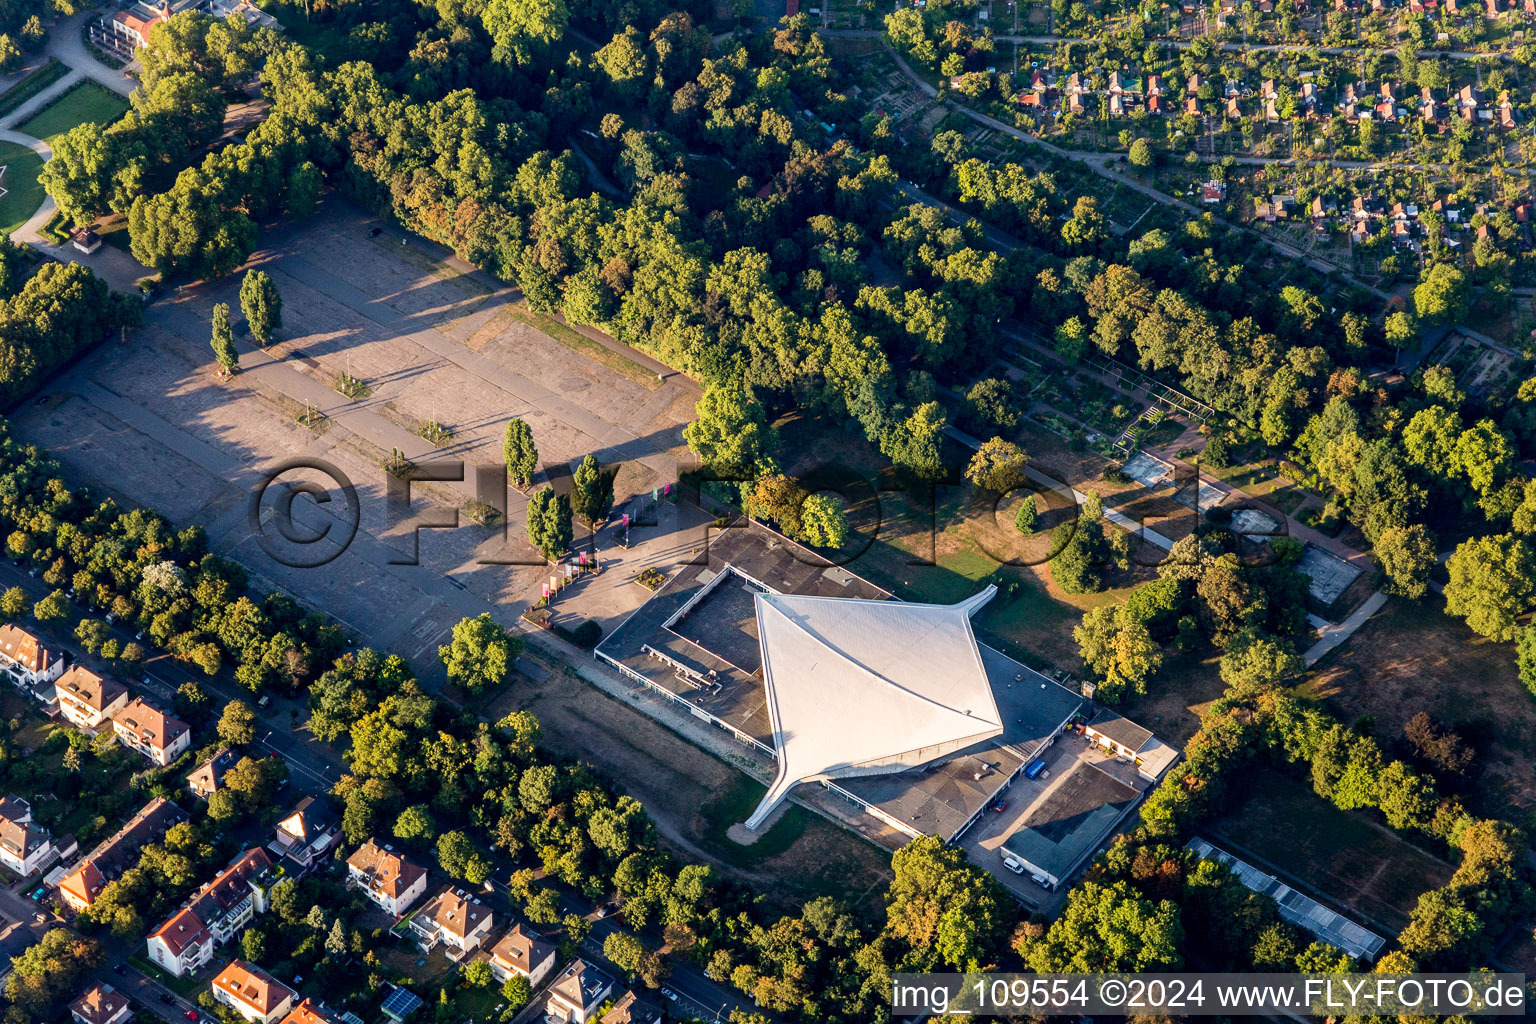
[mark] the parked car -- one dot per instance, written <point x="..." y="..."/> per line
<point x="167" y="999"/>
<point x="1000" y="806"/>
<point x="669" y="994"/>
<point x="190" y="1015"/>
<point x="1043" y="882"/>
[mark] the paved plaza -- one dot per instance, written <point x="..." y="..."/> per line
<point x="432" y="341"/>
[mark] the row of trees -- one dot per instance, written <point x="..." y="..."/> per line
<point x="445" y="783"/>
<point x="48" y="314"/>
<point x="132" y="565"/>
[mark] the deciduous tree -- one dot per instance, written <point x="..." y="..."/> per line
<point x="480" y="654"/>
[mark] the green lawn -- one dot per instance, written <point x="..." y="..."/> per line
<point x="23" y="195"/>
<point x="85" y="102"/>
<point x="734" y="805"/>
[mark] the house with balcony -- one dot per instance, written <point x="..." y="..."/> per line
<point x="112" y="857"/>
<point x="455" y="920"/>
<point x="216" y="913"/>
<point x="631" y="1009"/>
<point x="522" y="954"/>
<point x="577" y="993"/>
<point x="28" y="662"/>
<point x="158" y="736"/>
<point x="88" y="701"/>
<point x="308" y="831"/>
<point x="391" y="880"/>
<point x="253" y="993"/>
<point x="25" y="846"/>
<point x="208" y="777"/>
<point x="101" y="1004"/>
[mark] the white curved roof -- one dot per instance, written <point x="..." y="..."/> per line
<point x="853" y="682"/>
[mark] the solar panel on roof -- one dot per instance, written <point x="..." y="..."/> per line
<point x="400" y="1003"/>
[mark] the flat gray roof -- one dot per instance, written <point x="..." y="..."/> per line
<point x="1334" y="929"/>
<point x="1115" y="726"/>
<point x="1071" y="821"/>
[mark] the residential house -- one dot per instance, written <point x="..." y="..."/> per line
<point x="1154" y="85"/>
<point x="307" y="831"/>
<point x="1386" y="103"/>
<point x="1468" y="102"/>
<point x="308" y="1013"/>
<point x="390" y="879"/>
<point x="84" y="240"/>
<point x="1192" y="86"/>
<point x="1075" y="93"/>
<point x="208" y="777"/>
<point x="216" y="913"/>
<point x="158" y="736"/>
<point x="101" y="1004"/>
<point x="577" y="993"/>
<point x="1319" y="216"/>
<point x="522" y="954"/>
<point x="1192" y="107"/>
<point x="1267" y="90"/>
<point x="1308" y="99"/>
<point x="1506" y="111"/>
<point x="455" y="919"/>
<point x="1431" y="110"/>
<point x="111" y="858"/>
<point x="252" y="993"/>
<point x="88" y="701"/>
<point x="28" y="661"/>
<point x="131" y="26"/>
<point x="1116" y="105"/>
<point x="1495" y="9"/>
<point x="631" y="1009"/>
<point x="1213" y="192"/>
<point x="25" y="846"/>
<point x="1233" y="110"/>
<point x="1116" y="87"/>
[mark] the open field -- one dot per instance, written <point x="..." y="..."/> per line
<point x="23" y="194"/>
<point x="694" y="797"/>
<point x="85" y="103"/>
<point x="1411" y="658"/>
<point x="1176" y="697"/>
<point x="1342" y="857"/>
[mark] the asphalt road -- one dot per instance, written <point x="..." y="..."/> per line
<point x="315" y="769"/>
